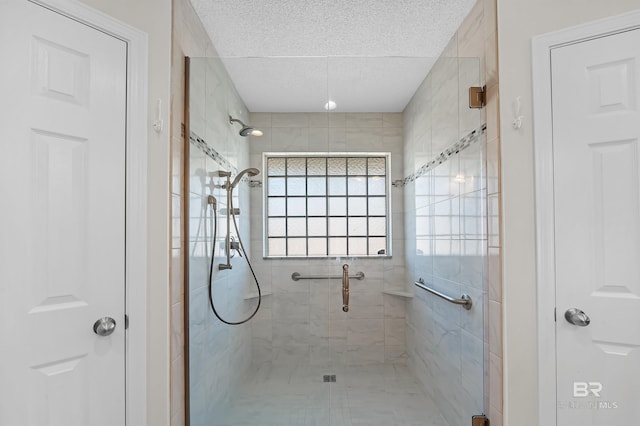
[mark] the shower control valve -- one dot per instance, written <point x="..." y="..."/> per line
<point x="235" y="245"/>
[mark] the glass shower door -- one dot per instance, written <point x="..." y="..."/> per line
<point x="445" y="211"/>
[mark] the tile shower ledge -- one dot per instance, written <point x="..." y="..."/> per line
<point x="250" y="296"/>
<point x="404" y="294"/>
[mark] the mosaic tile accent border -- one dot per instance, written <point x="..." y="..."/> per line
<point x="463" y="143"/>
<point x="212" y="153"/>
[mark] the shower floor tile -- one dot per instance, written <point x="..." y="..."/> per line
<point x="385" y="395"/>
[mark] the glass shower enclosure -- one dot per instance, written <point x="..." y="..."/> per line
<point x="398" y="195"/>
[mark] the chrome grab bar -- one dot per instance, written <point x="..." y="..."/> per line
<point x="464" y="300"/>
<point x="345" y="288"/>
<point x="297" y="277"/>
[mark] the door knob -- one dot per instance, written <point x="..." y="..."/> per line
<point x="104" y="326"/>
<point x="576" y="317"/>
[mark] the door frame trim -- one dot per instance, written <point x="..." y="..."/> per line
<point x="136" y="196"/>
<point x="542" y="46"/>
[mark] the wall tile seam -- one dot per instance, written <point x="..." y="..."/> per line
<point x="176" y="137"/>
<point x="496" y="138"/>
<point x="489" y="37"/>
<point x="497" y="410"/>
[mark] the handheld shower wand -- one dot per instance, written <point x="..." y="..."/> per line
<point x="231" y="212"/>
<point x="250" y="171"/>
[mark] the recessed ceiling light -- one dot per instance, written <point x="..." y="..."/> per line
<point x="330" y="105"/>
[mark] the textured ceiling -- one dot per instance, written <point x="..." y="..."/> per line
<point x="292" y="55"/>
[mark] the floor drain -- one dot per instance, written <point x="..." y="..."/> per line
<point x="329" y="378"/>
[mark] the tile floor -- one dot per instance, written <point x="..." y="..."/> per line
<point x="384" y="395"/>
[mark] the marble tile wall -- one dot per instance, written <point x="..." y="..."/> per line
<point x="453" y="213"/>
<point x="302" y="323"/>
<point x="219" y="355"/>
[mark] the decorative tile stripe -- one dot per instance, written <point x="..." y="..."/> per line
<point x="212" y="153"/>
<point x="443" y="156"/>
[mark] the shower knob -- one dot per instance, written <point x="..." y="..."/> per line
<point x="104" y="326"/>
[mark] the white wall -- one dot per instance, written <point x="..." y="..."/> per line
<point x="518" y="22"/>
<point x="154" y="18"/>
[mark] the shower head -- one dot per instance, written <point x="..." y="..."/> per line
<point x="246" y="130"/>
<point x="251" y="172"/>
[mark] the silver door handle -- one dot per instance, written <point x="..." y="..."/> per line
<point x="104" y="326"/>
<point x="576" y="317"/>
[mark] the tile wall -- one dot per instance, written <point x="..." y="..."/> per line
<point x="485" y="35"/>
<point x="446" y="214"/>
<point x="219" y="355"/>
<point x="452" y="211"/>
<point x="302" y="322"/>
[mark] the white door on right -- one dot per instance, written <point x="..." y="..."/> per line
<point x="596" y="149"/>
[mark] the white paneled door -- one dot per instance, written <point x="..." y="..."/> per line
<point x="62" y="220"/>
<point x="596" y="151"/>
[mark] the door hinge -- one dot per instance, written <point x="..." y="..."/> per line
<point x="126" y="321"/>
<point x="555" y="314"/>
<point x="477" y="97"/>
<point x="481" y="420"/>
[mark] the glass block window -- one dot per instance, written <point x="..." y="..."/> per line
<point x="326" y="206"/>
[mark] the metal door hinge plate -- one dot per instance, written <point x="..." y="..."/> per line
<point x="477" y="98"/>
<point x="481" y="420"/>
<point x="126" y="322"/>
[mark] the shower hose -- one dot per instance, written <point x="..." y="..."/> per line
<point x="213" y="251"/>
